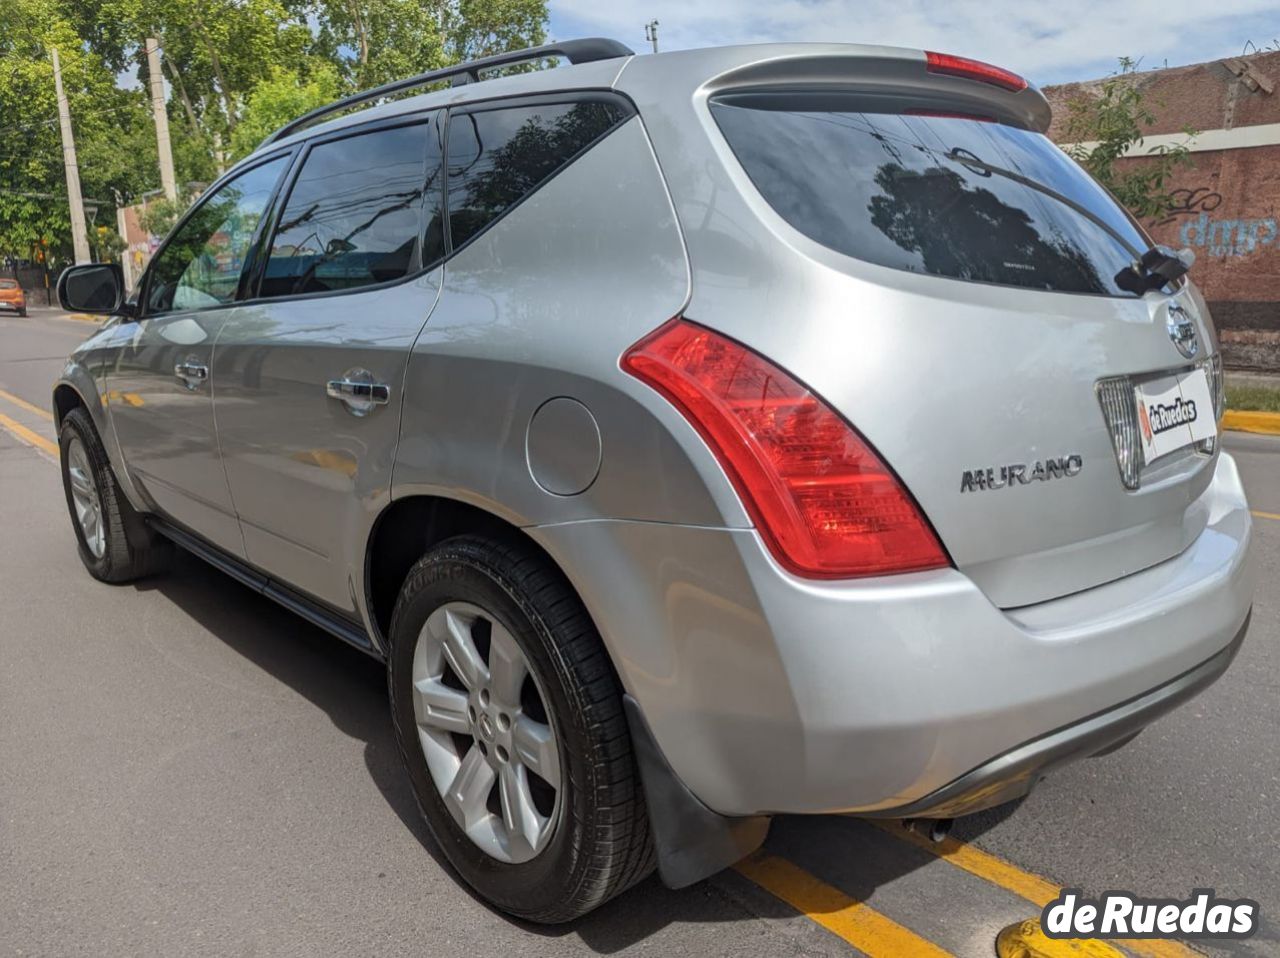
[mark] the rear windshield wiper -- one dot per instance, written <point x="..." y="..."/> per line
<point x="1149" y="270"/>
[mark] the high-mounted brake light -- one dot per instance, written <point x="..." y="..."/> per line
<point x="824" y="502"/>
<point x="954" y="66"/>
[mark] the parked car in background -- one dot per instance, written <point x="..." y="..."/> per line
<point x="12" y="296"/>
<point x="697" y="438"/>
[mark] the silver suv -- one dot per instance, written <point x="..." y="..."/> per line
<point x="697" y="437"/>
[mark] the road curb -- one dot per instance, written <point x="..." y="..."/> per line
<point x="1243" y="420"/>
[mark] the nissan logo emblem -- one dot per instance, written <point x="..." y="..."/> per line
<point x="1182" y="331"/>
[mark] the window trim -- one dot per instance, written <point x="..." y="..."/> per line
<point x="248" y="289"/>
<point x="144" y="286"/>
<point x="253" y="288"/>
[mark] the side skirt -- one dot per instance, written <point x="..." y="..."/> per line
<point x="335" y="624"/>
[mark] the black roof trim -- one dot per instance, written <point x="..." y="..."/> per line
<point x="586" y="50"/>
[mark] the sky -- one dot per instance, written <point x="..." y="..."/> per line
<point x="1048" y="41"/>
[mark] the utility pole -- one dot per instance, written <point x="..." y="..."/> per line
<point x="651" y="33"/>
<point x="79" y="238"/>
<point x="167" y="179"/>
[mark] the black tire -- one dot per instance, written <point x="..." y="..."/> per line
<point x="601" y="844"/>
<point x="22" y="313"/>
<point x="123" y="558"/>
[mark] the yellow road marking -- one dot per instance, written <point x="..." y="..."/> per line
<point x="1267" y="423"/>
<point x="1267" y="515"/>
<point x="27" y="436"/>
<point x="23" y="404"/>
<point x="1039" y="891"/>
<point x="859" y="924"/>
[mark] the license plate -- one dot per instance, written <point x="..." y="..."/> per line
<point x="1174" y="412"/>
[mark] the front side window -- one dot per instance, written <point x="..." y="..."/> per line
<point x="201" y="264"/>
<point x="354" y="213"/>
<point x="498" y="157"/>
<point x="929" y="192"/>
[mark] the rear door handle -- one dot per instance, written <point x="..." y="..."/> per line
<point x="358" y="393"/>
<point x="191" y="374"/>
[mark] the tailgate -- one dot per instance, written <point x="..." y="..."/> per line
<point x="949" y="281"/>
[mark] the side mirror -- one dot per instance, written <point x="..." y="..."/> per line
<point x="93" y="288"/>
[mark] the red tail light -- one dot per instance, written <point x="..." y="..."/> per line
<point x="955" y="66"/>
<point x="820" y="497"/>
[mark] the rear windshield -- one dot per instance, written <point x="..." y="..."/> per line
<point x="938" y="194"/>
<point x="8" y="284"/>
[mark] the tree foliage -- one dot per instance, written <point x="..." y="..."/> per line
<point x="1102" y="128"/>
<point x="235" y="70"/>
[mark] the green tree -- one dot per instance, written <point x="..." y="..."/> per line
<point x="375" y="41"/>
<point x="229" y="64"/>
<point x="282" y="97"/>
<point x="106" y="120"/>
<point x="1102" y="128"/>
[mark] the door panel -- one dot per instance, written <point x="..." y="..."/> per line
<point x="159" y="386"/>
<point x="309" y="475"/>
<point x="165" y="423"/>
<point x="308" y="377"/>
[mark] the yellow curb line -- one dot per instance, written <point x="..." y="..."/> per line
<point x="1243" y="420"/>
<point x="23" y="404"/>
<point x="84" y="317"/>
<point x="1024" y="884"/>
<point x="26" y="435"/>
<point x="872" y="933"/>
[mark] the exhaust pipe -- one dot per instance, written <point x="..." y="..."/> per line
<point x="934" y="829"/>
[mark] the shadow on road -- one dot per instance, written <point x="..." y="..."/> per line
<point x="350" y="688"/>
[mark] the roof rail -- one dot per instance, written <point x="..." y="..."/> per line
<point x="575" y="51"/>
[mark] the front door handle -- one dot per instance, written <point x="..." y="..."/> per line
<point x="358" y="392"/>
<point x="191" y="374"/>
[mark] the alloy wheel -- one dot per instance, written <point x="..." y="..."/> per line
<point x="85" y="498"/>
<point x="486" y="732"/>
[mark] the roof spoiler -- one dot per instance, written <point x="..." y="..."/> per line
<point x="587" y="50"/>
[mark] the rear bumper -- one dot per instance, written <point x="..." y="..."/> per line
<point x="905" y="695"/>
<point x="1013" y="774"/>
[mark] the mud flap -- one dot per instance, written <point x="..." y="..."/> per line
<point x="693" y="842"/>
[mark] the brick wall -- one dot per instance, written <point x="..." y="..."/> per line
<point x="1228" y="200"/>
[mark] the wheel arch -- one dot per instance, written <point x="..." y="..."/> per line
<point x="406" y="529"/>
<point x="66" y="397"/>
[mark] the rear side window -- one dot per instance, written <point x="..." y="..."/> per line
<point x="497" y="157"/>
<point x="354" y="216"/>
<point x="938" y="194"/>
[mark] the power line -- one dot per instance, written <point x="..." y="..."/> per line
<point x="80" y="114"/>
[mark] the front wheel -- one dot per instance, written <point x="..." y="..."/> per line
<point x="509" y="717"/>
<point x="99" y="510"/>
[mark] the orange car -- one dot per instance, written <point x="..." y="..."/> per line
<point x="11" y="295"/>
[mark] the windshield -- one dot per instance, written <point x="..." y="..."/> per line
<point x="944" y="195"/>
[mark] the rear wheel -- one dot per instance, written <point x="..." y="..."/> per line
<point x="509" y="718"/>
<point x="99" y="511"/>
<point x="23" y="312"/>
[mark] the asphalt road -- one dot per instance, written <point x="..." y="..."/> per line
<point x="187" y="769"/>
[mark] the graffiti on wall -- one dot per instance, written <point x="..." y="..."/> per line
<point x="1188" y="202"/>
<point x="1229" y="237"/>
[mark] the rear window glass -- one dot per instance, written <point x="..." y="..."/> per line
<point x="498" y="157"/>
<point x="8" y="284"/>
<point x="935" y="194"/>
